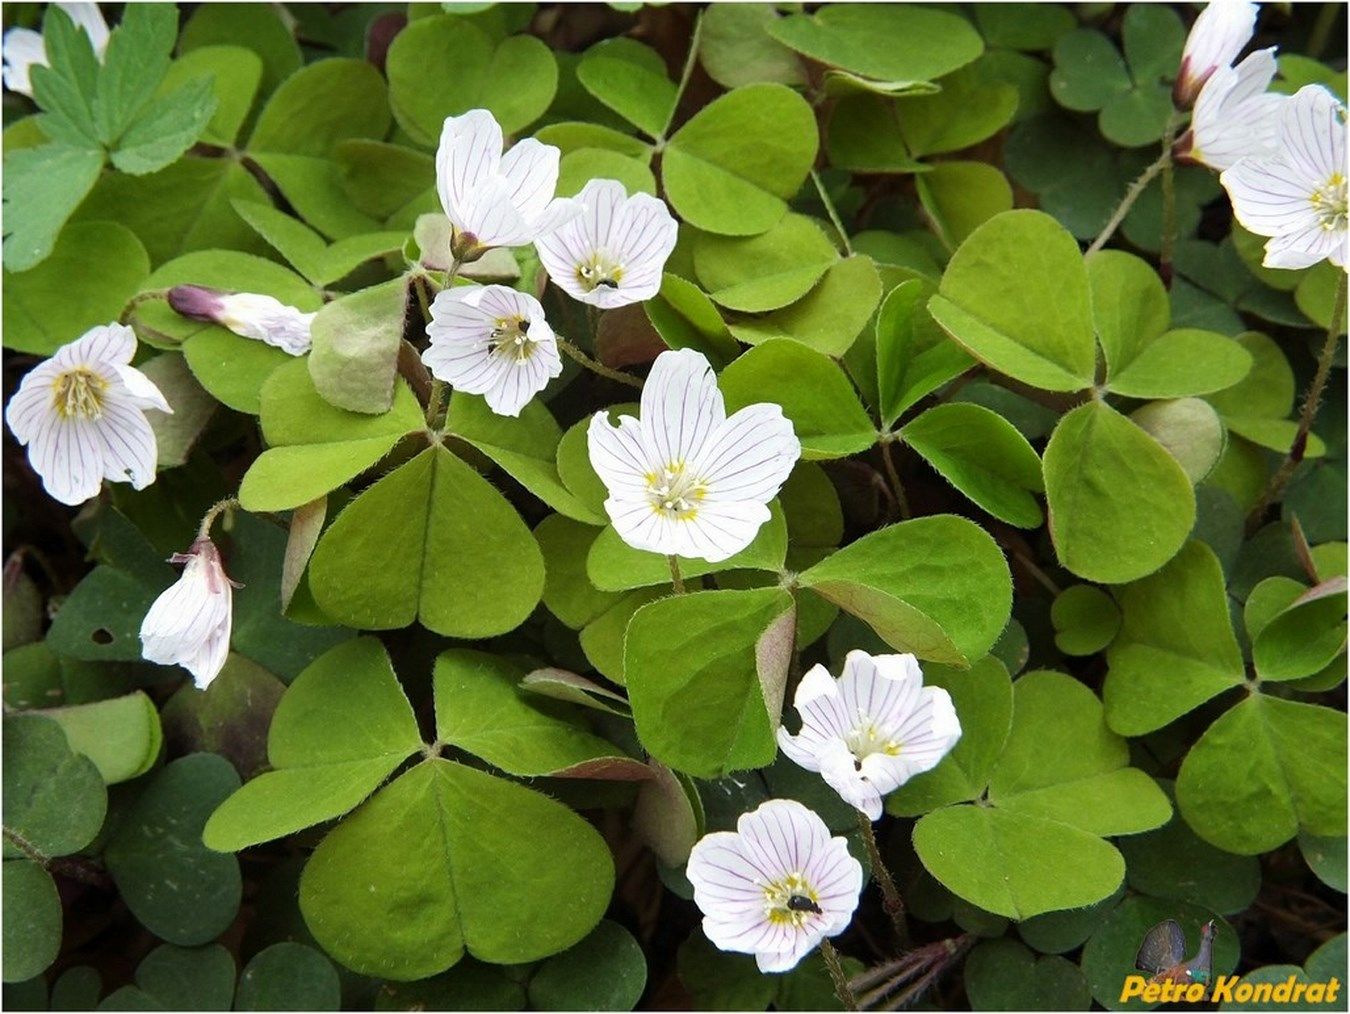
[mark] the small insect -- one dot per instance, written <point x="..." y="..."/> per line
<point x="1163" y="952"/>
<point x="801" y="903"/>
<point x="608" y="283"/>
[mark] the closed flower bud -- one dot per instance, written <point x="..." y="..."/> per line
<point x="1216" y="38"/>
<point x="189" y="624"/>
<point x="247" y="314"/>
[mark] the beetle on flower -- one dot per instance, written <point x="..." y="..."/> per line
<point x="82" y="416"/>
<point x="613" y="253"/>
<point x="189" y="624"/>
<point x="873" y="729"/>
<point x="494" y="199"/>
<point x="775" y="887"/>
<point x="684" y="479"/>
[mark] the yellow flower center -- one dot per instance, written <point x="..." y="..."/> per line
<point x="510" y="338"/>
<point x="600" y="271"/>
<point x="676" y="492"/>
<point x="790" y="901"/>
<point x="867" y="738"/>
<point x="1329" y="201"/>
<point x="78" y="394"/>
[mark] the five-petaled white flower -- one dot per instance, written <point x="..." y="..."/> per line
<point x="494" y="199"/>
<point x="776" y="887"/>
<point x="1297" y="196"/>
<point x="1235" y="117"/>
<point x="189" y="624"/>
<point x="684" y="479"/>
<point x="82" y="416"/>
<point x="494" y="341"/>
<point x="24" y="49"/>
<point x="247" y="314"/>
<point x="873" y="730"/>
<point x="613" y="253"/>
<point x="1215" y="40"/>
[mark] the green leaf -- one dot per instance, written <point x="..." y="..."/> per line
<point x="478" y="884"/>
<point x="302" y="247"/>
<point x="339" y="731"/>
<point x="302" y="118"/>
<point x="36" y="316"/>
<point x="970" y="108"/>
<point x="182" y="978"/>
<point x="1181" y="363"/>
<point x="454" y="518"/>
<point x="829" y="317"/>
<point x="813" y="391"/>
<point x="606" y="971"/>
<point x="53" y="797"/>
<point x="1189" y="429"/>
<point x="66" y="83"/>
<point x="120" y="735"/>
<point x="1305" y="637"/>
<point x="178" y="888"/>
<point x="936" y="586"/>
<point x="961" y="196"/>
<point x="602" y="639"/>
<point x="1005" y="975"/>
<point x="165" y="129"/>
<point x="995" y="292"/>
<point x="736" y="47"/>
<point x="981" y="454"/>
<point x="1262" y="772"/>
<point x="134" y="63"/>
<point x="1023" y="26"/>
<point x="863" y="137"/>
<point x="260" y="29"/>
<point x="1086" y="619"/>
<point x="907" y="43"/>
<point x="613" y="565"/>
<point x="630" y="79"/>
<point x="354" y="361"/>
<point x="1130" y="309"/>
<point x="316" y="447"/>
<point x="912" y="362"/>
<point x="983" y="697"/>
<point x="480" y="709"/>
<point x="568" y="592"/>
<point x="1325" y="856"/>
<point x="289" y="976"/>
<point x="43" y="186"/>
<point x="1175" y="649"/>
<point x="766" y="272"/>
<point x="32" y="926"/>
<point x="731" y="168"/>
<point x="314" y="188"/>
<point x="193" y="409"/>
<point x="235" y="74"/>
<point x="579" y="167"/>
<point x="705" y="674"/>
<point x="1094" y="455"/>
<point x="1172" y="862"/>
<point x="444" y="66"/>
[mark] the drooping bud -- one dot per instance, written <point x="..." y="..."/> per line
<point x="247" y="314"/>
<point x="189" y="624"/>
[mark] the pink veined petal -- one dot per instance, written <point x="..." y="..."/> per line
<point x="642" y="527"/>
<point x="785" y="961"/>
<point x="1264" y="199"/>
<point x="32" y="402"/>
<point x="601" y="203"/>
<point x="1304" y="247"/>
<point x="530" y="171"/>
<point x="66" y="454"/>
<point x="127" y="442"/>
<point x="721" y="530"/>
<point x="469" y="154"/>
<point x="840" y="771"/>
<point x="617" y="454"/>
<point x="681" y="408"/>
<point x="183" y="620"/>
<point x="106" y="346"/>
<point x="492" y="218"/>
<point x="643" y="236"/>
<point x="142" y="391"/>
<point x="23" y="50"/>
<point x="210" y="660"/>
<point x="1310" y="129"/>
<point x="749" y="456"/>
<point x="556" y="214"/>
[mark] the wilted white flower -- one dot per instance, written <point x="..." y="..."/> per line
<point x="1216" y="38"/>
<point x="684" y="479"/>
<point x="82" y="416"/>
<point x="776" y="887"/>
<point x="24" y="49"/>
<point x="873" y="730"/>
<point x="494" y="341"/>
<point x="189" y="624"/>
<point x="1235" y="117"/>
<point x="494" y="199"/>
<point x="247" y="314"/>
<point x="613" y="253"/>
<point x="1297" y="196"/>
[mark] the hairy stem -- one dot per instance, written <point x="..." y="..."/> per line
<point x="893" y="475"/>
<point x="595" y="366"/>
<point x="837" y="976"/>
<point x="1127" y="202"/>
<point x="694" y="39"/>
<point x="217" y="509"/>
<point x="676" y="581"/>
<point x="890" y="894"/>
<point x="1307" y="415"/>
<point x="1169" y="203"/>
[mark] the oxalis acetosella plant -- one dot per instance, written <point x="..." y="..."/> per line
<point x="674" y="506"/>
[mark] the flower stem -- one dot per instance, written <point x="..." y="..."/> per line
<point x="892" y="902"/>
<point x="1307" y="415"/>
<point x="1169" y="202"/>
<point x="1131" y="195"/>
<point x="893" y="474"/>
<point x="837" y="976"/>
<point x="217" y="509"/>
<point x="595" y="366"/>
<point x="676" y="581"/>
<point x="437" y="404"/>
<point x="688" y="72"/>
<point x="832" y="211"/>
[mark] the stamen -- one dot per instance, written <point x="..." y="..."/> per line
<point x="78" y="394"/>
<point x="675" y="492"/>
<point x="600" y="271"/>
<point x="1329" y="202"/>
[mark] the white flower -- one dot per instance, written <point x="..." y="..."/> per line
<point x="685" y="480"/>
<point x="24" y="49"/>
<point x="613" y="253"/>
<point x="494" y="199"/>
<point x="1235" y="116"/>
<point x="873" y="730"/>
<point x="776" y="887"/>
<point x="82" y="416"/>
<point x="189" y="624"/>
<point x="1297" y="196"/>
<point x="494" y="341"/>
<point x="247" y="314"/>
<point x="1216" y="38"/>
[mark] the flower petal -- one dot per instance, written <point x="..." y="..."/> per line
<point x="469" y="155"/>
<point x="23" y="50"/>
<point x="681" y="408"/>
<point x="530" y="171"/>
<point x="750" y="455"/>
